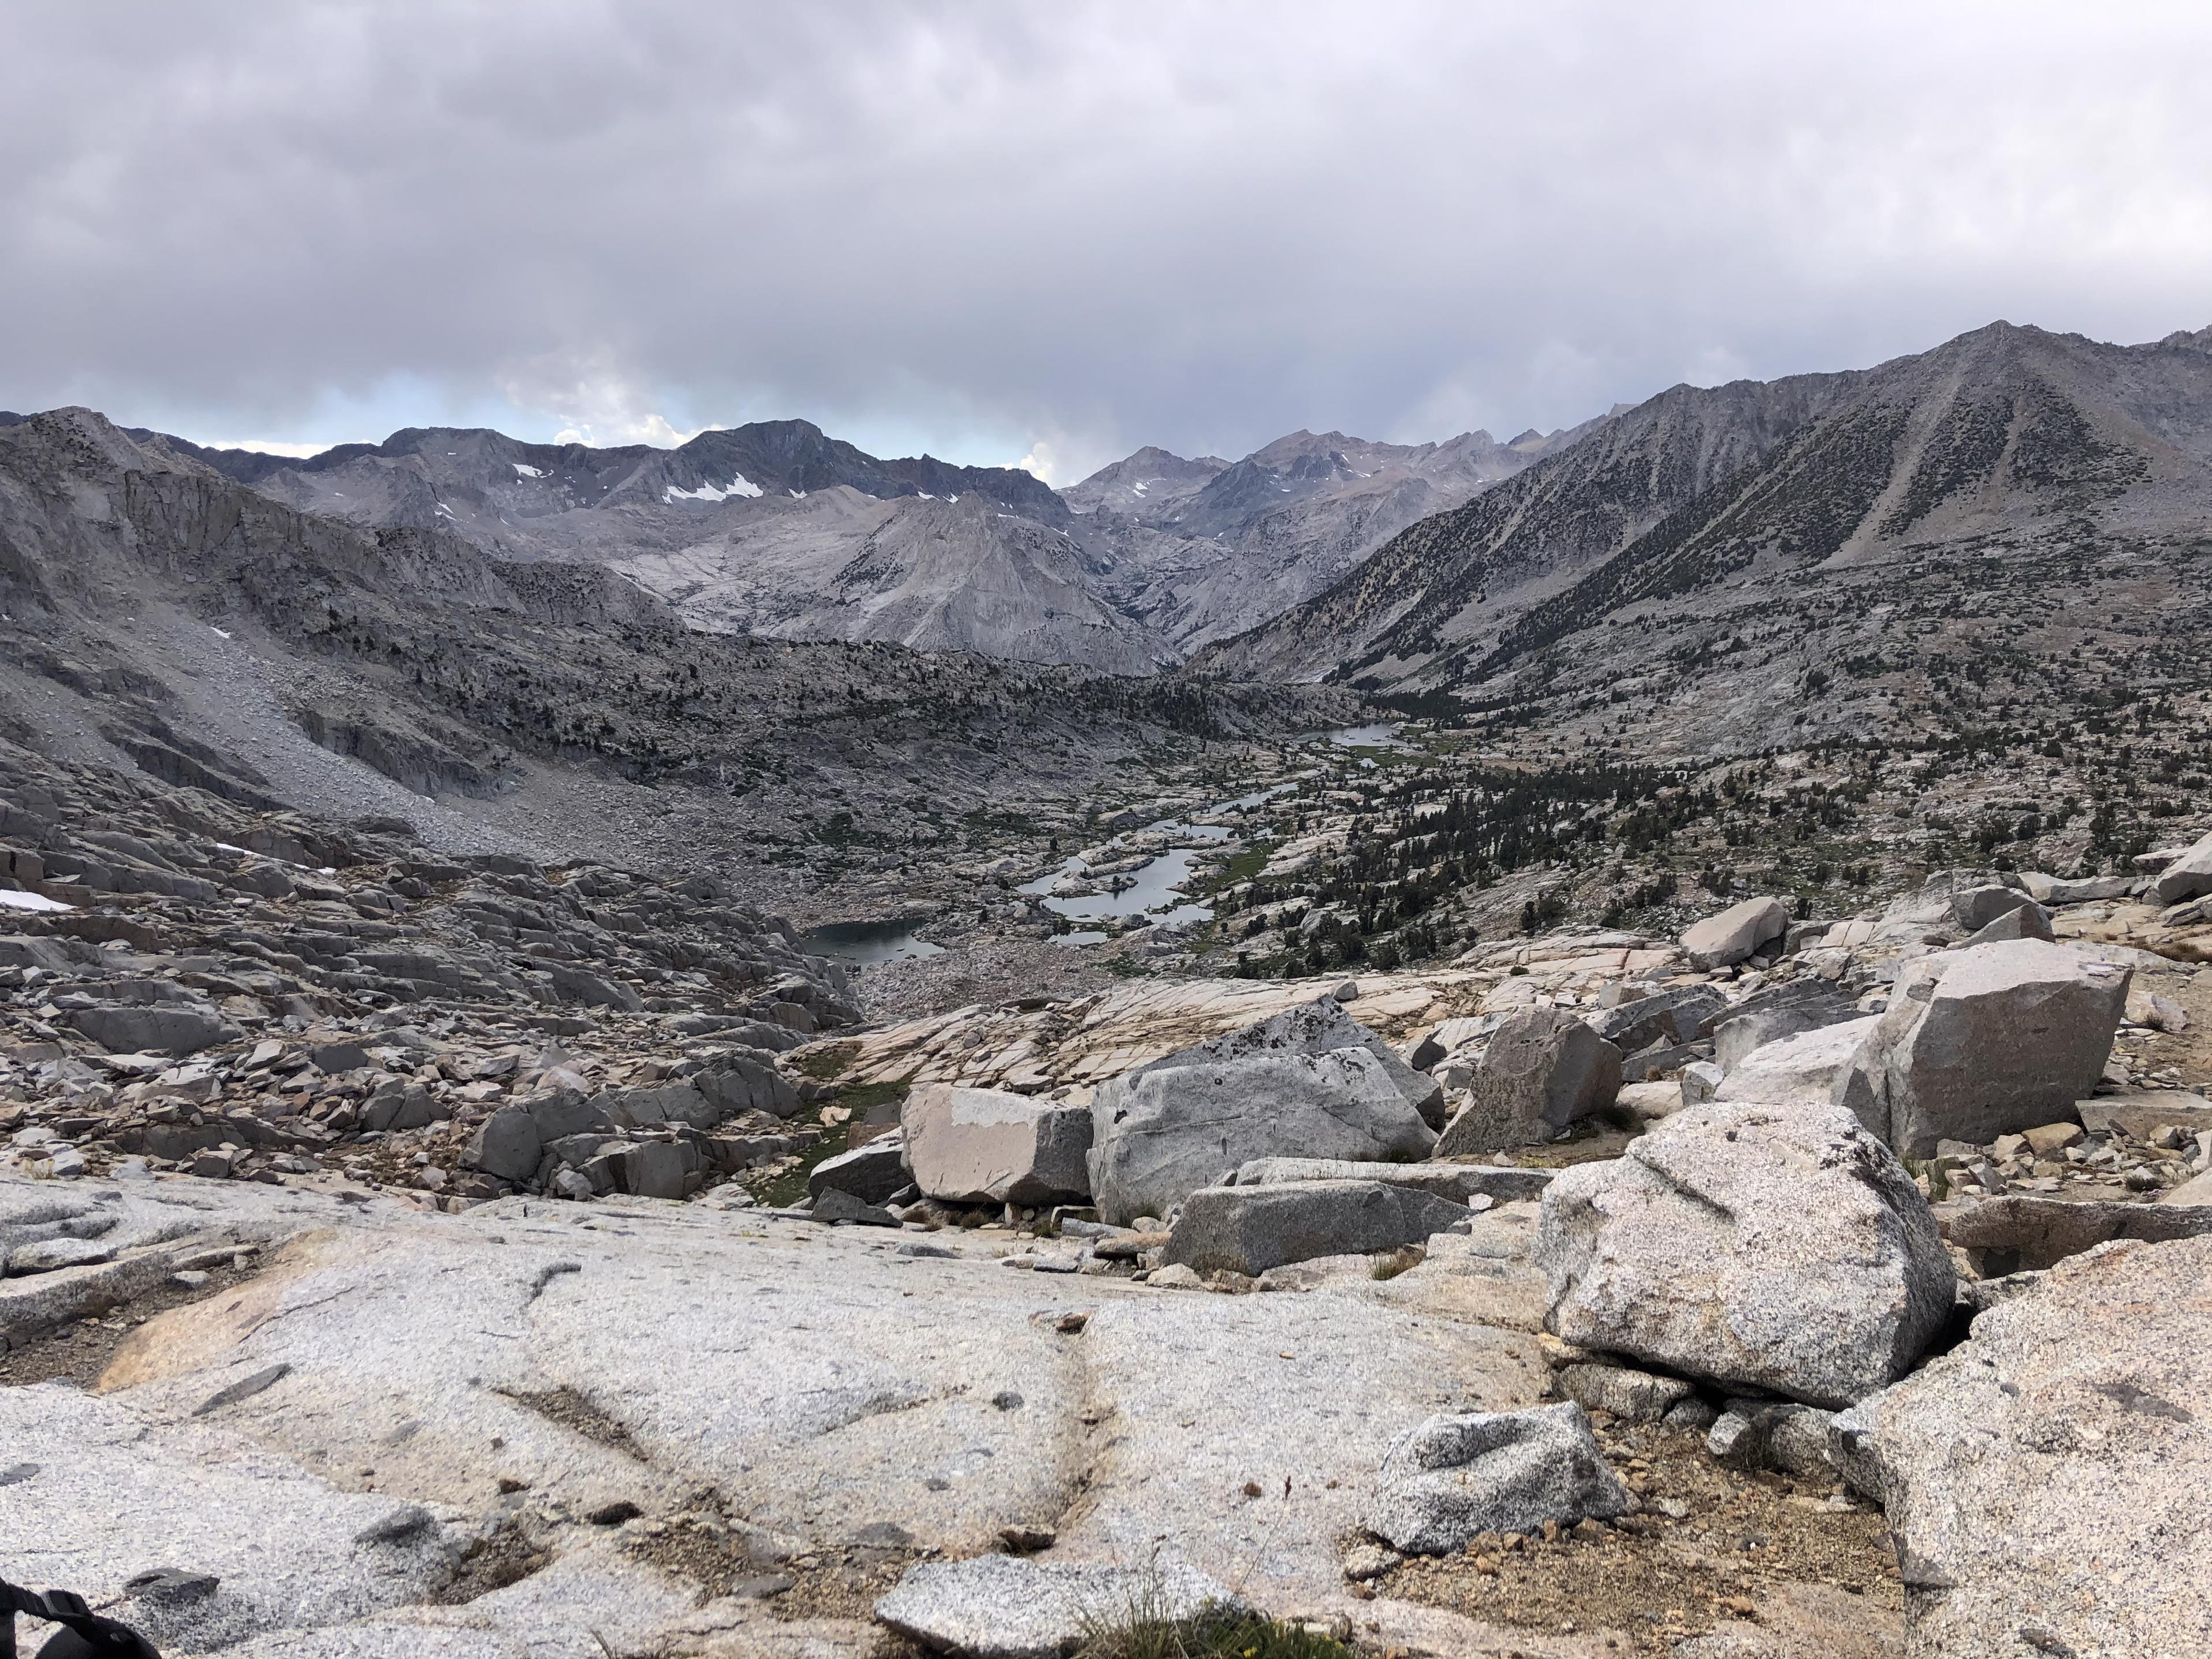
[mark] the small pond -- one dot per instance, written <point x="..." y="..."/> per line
<point x="862" y="943"/>
<point x="1147" y="891"/>
<point x="1382" y="735"/>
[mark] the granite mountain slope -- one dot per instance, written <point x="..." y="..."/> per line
<point x="2010" y="476"/>
<point x="1202" y="549"/>
<point x="957" y="575"/>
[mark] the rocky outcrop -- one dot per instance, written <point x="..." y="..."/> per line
<point x="1544" y="1071"/>
<point x="1452" y="1478"/>
<point x="2045" y="1481"/>
<point x="1248" y="1230"/>
<point x="1981" y="1042"/>
<point x="1676" y="1017"/>
<point x="1781" y="1247"/>
<point x="2020" y="1232"/>
<point x="974" y="1146"/>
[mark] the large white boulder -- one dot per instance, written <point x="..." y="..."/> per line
<point x="1004" y="1606"/>
<point x="986" y="1145"/>
<point x="1783" y="1247"/>
<point x="1163" y="1132"/>
<point x="2045" y="1481"/>
<point x="1736" y="932"/>
<point x="1986" y="1041"/>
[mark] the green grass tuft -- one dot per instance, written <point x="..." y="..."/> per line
<point x="1237" y="1638"/>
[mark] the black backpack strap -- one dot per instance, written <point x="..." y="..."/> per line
<point x="84" y="1633"/>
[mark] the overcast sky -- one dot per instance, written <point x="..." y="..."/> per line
<point x="1056" y="231"/>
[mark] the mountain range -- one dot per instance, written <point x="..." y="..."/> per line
<point x="1203" y="549"/>
<point x="2010" y="475"/>
<point x="779" y="531"/>
<point x="1708" y="556"/>
<point x="160" y="616"/>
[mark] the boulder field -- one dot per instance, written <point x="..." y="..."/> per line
<point x="1201" y="1295"/>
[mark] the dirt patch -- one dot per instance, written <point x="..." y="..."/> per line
<point x="726" y="1558"/>
<point x="709" y="1553"/>
<point x="493" y="1562"/>
<point x="840" y="1584"/>
<point x="1746" y="1545"/>
<point x="79" y="1351"/>
<point x="574" y="1413"/>
<point x="2190" y="1052"/>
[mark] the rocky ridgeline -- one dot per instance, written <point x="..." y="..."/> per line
<point x="1600" y="1291"/>
<point x="194" y="986"/>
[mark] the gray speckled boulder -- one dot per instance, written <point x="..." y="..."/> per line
<point x="1164" y="1132"/>
<point x="1319" y="1027"/>
<point x="2045" y="1481"/>
<point x="1545" y="1070"/>
<point x="1004" y="1606"/>
<point x="1988" y="1040"/>
<point x="1783" y="1247"/>
<point x="1248" y="1230"/>
<point x="1453" y="1477"/>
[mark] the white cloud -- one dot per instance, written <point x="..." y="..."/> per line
<point x="591" y="401"/>
<point x="1043" y="464"/>
<point x="643" y="429"/>
<point x="269" y="446"/>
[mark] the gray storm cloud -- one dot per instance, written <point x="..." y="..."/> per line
<point x="978" y="229"/>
